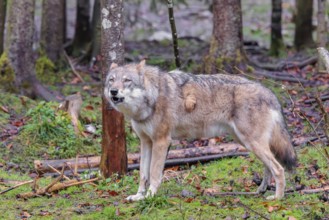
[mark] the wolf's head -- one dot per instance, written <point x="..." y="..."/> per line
<point x="124" y="85"/>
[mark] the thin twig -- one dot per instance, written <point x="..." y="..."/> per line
<point x="57" y="171"/>
<point x="247" y="207"/>
<point x="16" y="186"/>
<point x="72" y="67"/>
<point x="174" y="32"/>
<point x="316" y="133"/>
<point x="325" y="116"/>
<point x="55" y="181"/>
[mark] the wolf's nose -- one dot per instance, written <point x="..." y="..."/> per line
<point x="114" y="92"/>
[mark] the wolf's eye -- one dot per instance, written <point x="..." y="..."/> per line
<point x="127" y="80"/>
<point x="111" y="80"/>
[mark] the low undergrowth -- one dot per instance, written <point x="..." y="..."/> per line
<point x="184" y="194"/>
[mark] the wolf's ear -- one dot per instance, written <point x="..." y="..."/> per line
<point x="141" y="65"/>
<point x="113" y="65"/>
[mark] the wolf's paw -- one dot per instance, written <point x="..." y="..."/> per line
<point x="136" y="197"/>
<point x="273" y="197"/>
<point x="261" y="189"/>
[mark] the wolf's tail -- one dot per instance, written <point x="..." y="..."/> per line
<point x="281" y="146"/>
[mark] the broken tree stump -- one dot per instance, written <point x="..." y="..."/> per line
<point x="72" y="105"/>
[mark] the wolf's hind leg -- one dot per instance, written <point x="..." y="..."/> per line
<point x="274" y="166"/>
<point x="265" y="182"/>
<point x="159" y="154"/>
<point x="144" y="173"/>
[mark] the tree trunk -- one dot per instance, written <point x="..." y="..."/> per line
<point x="321" y="31"/>
<point x="303" y="32"/>
<point x="52" y="29"/>
<point x="82" y="29"/>
<point x="2" y="23"/>
<point x="276" y="36"/>
<point x="96" y="32"/>
<point x="114" y="157"/>
<point x="226" y="47"/>
<point x="19" y="41"/>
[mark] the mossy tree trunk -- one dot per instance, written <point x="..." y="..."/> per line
<point x="304" y="29"/>
<point x="96" y="32"/>
<point x="226" y="47"/>
<point x="20" y="52"/>
<point x="321" y="32"/>
<point x="114" y="157"/>
<point x="2" y="23"/>
<point x="82" y="35"/>
<point x="277" y="44"/>
<point x="21" y="41"/>
<point x="52" y="28"/>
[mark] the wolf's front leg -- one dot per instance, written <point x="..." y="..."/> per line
<point x="144" y="171"/>
<point x="159" y="154"/>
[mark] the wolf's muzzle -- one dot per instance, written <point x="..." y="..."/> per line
<point x="117" y="100"/>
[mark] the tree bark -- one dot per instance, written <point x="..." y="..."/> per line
<point x="276" y="27"/>
<point x="303" y="20"/>
<point x="2" y="23"/>
<point x="52" y="28"/>
<point x="82" y="29"/>
<point x="19" y="42"/>
<point x="96" y="32"/>
<point x="114" y="157"/>
<point x="226" y="47"/>
<point x="321" y="31"/>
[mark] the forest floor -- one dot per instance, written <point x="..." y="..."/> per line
<point x="184" y="193"/>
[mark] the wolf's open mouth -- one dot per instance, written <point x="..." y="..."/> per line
<point x="117" y="100"/>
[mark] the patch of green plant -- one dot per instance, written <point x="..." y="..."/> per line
<point x="49" y="133"/>
<point x="7" y="75"/>
<point x="149" y="203"/>
<point x="45" y="70"/>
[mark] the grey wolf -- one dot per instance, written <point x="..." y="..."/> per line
<point x="163" y="106"/>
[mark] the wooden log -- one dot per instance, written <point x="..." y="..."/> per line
<point x="44" y="166"/>
<point x="170" y="162"/>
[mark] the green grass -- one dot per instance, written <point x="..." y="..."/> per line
<point x="106" y="200"/>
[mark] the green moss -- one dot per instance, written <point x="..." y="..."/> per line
<point x="7" y="75"/>
<point x="45" y="70"/>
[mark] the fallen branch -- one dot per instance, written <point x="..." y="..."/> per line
<point x="189" y="154"/>
<point x="313" y="100"/>
<point x="280" y="77"/>
<point x="287" y="65"/>
<point x="54" y="186"/>
<point x="172" y="162"/>
<point x="16" y="186"/>
<point x="311" y="191"/>
<point x="72" y="67"/>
